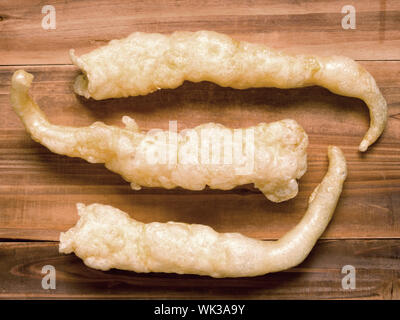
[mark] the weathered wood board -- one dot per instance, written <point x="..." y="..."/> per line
<point x="38" y="189"/>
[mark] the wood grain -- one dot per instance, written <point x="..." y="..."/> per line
<point x="297" y="26"/>
<point x="318" y="277"/>
<point x="39" y="189"/>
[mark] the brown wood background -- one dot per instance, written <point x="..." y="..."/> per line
<point x="38" y="189"/>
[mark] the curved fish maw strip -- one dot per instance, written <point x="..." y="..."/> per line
<point x="143" y="63"/>
<point x="106" y="238"/>
<point x="272" y="156"/>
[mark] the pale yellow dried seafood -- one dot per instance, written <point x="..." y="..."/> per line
<point x="272" y="156"/>
<point x="143" y="63"/>
<point x="106" y="238"/>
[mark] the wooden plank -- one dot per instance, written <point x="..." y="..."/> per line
<point x="38" y="189"/>
<point x="376" y="262"/>
<point x="301" y="26"/>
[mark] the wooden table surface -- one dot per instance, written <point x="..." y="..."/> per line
<point x="39" y="189"/>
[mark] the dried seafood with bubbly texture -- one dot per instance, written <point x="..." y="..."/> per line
<point x="106" y="238"/>
<point x="272" y="156"/>
<point x="143" y="63"/>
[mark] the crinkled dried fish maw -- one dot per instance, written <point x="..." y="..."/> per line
<point x="278" y="158"/>
<point x="143" y="63"/>
<point x="106" y="238"/>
